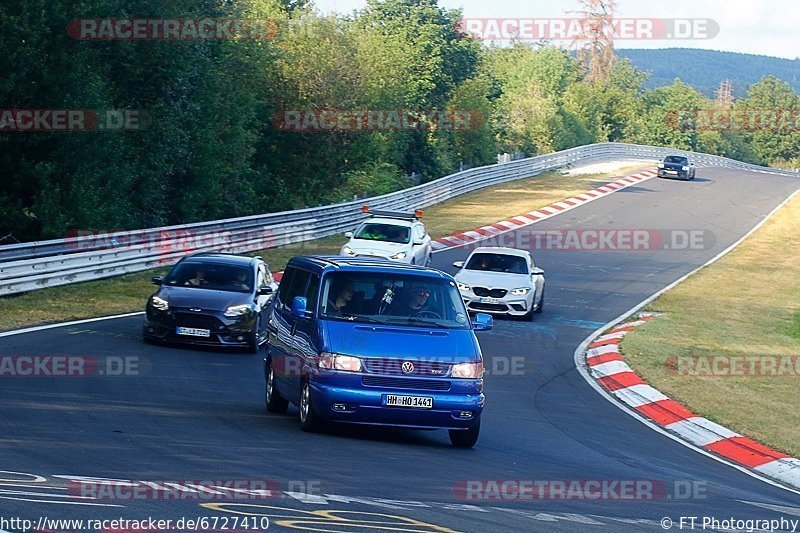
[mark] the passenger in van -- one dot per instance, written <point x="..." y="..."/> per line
<point x="339" y="297"/>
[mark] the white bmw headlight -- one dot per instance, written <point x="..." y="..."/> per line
<point x="346" y="250"/>
<point x="522" y="291"/>
<point x="237" y="310"/>
<point x="398" y="255"/>
<point x="462" y="287"/>
<point x="159" y="303"/>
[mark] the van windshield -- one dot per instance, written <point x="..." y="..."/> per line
<point x="375" y="297"/>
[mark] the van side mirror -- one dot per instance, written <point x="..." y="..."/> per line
<point x="482" y="322"/>
<point x="157" y="280"/>
<point x="458" y="264"/>
<point x="299" y="304"/>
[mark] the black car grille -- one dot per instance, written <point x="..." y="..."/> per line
<point x="395" y="367"/>
<point x="487" y="307"/>
<point x="197" y="320"/>
<point x="492" y="293"/>
<point x="406" y="384"/>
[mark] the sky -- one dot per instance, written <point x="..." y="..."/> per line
<point x="765" y="27"/>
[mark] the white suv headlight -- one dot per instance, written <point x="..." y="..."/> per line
<point x="237" y="310"/>
<point x="345" y="363"/>
<point x="467" y="371"/>
<point x="398" y="255"/>
<point x="346" y="250"/>
<point x="522" y="291"/>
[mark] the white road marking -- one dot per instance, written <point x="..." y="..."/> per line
<point x="90" y="504"/>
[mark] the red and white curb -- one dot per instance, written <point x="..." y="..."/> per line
<point x="520" y="221"/>
<point x="606" y="365"/>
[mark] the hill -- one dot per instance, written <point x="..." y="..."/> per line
<point x="705" y="69"/>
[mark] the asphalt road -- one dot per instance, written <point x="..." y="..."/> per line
<point x="199" y="414"/>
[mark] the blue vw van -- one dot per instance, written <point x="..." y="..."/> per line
<point x="368" y="341"/>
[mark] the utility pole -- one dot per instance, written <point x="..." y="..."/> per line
<point x="595" y="43"/>
<point x="725" y="94"/>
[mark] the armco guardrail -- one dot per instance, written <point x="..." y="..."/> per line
<point x="30" y="266"/>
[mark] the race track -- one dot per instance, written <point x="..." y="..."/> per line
<point x="199" y="414"/>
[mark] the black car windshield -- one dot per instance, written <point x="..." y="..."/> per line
<point x="211" y="276"/>
<point x="512" y="264"/>
<point x="676" y="159"/>
<point x="377" y="297"/>
<point x="373" y="231"/>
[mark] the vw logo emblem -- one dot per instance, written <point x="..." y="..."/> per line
<point x="408" y="367"/>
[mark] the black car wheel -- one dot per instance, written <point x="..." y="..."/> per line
<point x="465" y="438"/>
<point x="253" y="339"/>
<point x="309" y="419"/>
<point x="275" y="402"/>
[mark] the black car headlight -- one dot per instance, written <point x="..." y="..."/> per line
<point x="237" y="310"/>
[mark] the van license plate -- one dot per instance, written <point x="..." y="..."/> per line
<point x="419" y="402"/>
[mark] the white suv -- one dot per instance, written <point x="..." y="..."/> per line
<point x="393" y="235"/>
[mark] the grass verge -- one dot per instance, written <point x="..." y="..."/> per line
<point x="128" y="293"/>
<point x="744" y="304"/>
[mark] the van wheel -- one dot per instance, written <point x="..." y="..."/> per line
<point x="275" y="402"/>
<point x="465" y="438"/>
<point x="309" y="419"/>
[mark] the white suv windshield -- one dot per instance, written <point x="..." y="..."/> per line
<point x="374" y="231"/>
<point x="512" y="264"/>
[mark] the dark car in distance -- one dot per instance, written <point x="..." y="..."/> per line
<point x="676" y="166"/>
<point x="212" y="299"/>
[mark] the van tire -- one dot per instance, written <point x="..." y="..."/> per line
<point x="465" y="438"/>
<point x="309" y="419"/>
<point x="275" y="402"/>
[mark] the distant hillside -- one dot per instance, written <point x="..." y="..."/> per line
<point x="705" y="69"/>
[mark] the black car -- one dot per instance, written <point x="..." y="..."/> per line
<point x="676" y="166"/>
<point x="212" y="299"/>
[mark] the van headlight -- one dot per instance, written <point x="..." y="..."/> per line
<point x="237" y="310"/>
<point x="159" y="303"/>
<point x="334" y="361"/>
<point x="346" y="250"/>
<point x="522" y="291"/>
<point x="462" y="287"/>
<point x="467" y="371"/>
<point x="398" y="255"/>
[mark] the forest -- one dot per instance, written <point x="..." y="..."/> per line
<point x="316" y="110"/>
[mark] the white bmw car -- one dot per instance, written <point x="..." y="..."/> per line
<point x="501" y="281"/>
<point x="392" y="235"/>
